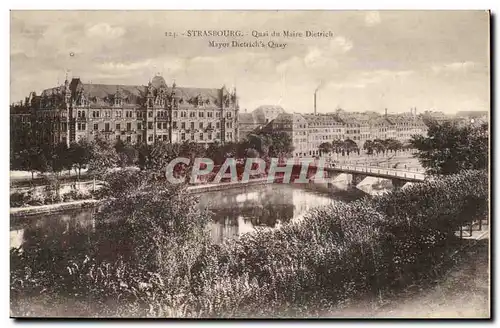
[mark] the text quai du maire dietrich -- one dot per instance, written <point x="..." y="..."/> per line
<point x="223" y="39"/>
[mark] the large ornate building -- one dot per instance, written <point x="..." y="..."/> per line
<point x="131" y="113"/>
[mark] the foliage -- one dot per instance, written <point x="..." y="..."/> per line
<point x="276" y="144"/>
<point x="449" y="148"/>
<point x="103" y="157"/>
<point x="334" y="254"/>
<point x="127" y="153"/>
<point x="325" y="148"/>
<point x="80" y="153"/>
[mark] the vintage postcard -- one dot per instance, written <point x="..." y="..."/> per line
<point x="250" y="164"/>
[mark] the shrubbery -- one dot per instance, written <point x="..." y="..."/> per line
<point x="334" y="254"/>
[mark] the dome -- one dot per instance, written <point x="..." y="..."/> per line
<point x="158" y="81"/>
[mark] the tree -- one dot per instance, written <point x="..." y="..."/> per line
<point x="163" y="225"/>
<point x="448" y="148"/>
<point x="103" y="157"/>
<point x="393" y="145"/>
<point x="379" y="146"/>
<point x="325" y="148"/>
<point x="127" y="154"/>
<point x="368" y="146"/>
<point x="277" y="144"/>
<point x="349" y="146"/>
<point x="34" y="160"/>
<point x="60" y="158"/>
<point x="337" y="146"/>
<point x="80" y="153"/>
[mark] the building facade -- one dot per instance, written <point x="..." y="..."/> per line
<point x="132" y="113"/>
<point x="309" y="131"/>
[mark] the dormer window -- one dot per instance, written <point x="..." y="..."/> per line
<point x="118" y="101"/>
<point x="200" y="101"/>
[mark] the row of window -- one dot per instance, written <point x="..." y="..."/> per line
<point x="159" y="126"/>
<point x="160" y="113"/>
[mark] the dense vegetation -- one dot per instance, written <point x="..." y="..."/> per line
<point x="167" y="267"/>
<point x="449" y="148"/>
<point x="100" y="155"/>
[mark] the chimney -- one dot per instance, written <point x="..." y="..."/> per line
<point x="315" y="102"/>
<point x="386" y="112"/>
<point x="415" y="111"/>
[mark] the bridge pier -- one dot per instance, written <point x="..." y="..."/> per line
<point x="329" y="174"/>
<point x="398" y="183"/>
<point x="357" y="178"/>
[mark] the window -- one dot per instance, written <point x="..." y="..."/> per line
<point x="119" y="113"/>
<point x="150" y="113"/>
<point x="96" y="126"/>
<point x="81" y="126"/>
<point x="165" y="137"/>
<point x="217" y="135"/>
<point x="106" y="127"/>
<point x="210" y="114"/>
<point x="201" y="114"/>
<point x="150" y="137"/>
<point x="201" y="136"/>
<point x="183" y="136"/>
<point x="192" y="114"/>
<point x="175" y="114"/>
<point x="150" y="125"/>
<point x="158" y="126"/>
<point x="217" y="125"/>
<point x="228" y="114"/>
<point x="209" y="125"/>
<point x="117" y="137"/>
<point x="165" y="125"/>
<point x="139" y="126"/>
<point x="118" y="126"/>
<point x="129" y="126"/>
<point x="174" y="125"/>
<point x="183" y="125"/>
<point x="83" y="114"/>
<point x="201" y="125"/>
<point x="192" y="125"/>
<point x="192" y="136"/>
<point x="108" y="113"/>
<point x="210" y="136"/>
<point x="139" y="138"/>
<point x="129" y="139"/>
<point x="217" y="114"/>
<point x="79" y="114"/>
<point x="183" y="114"/>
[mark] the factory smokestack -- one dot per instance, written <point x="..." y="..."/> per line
<point x="315" y="101"/>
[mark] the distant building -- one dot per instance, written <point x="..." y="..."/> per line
<point x="258" y="118"/>
<point x="132" y="113"/>
<point x="309" y="131"/>
<point x="297" y="128"/>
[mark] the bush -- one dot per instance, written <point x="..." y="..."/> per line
<point x="76" y="195"/>
<point x="18" y="199"/>
<point x="334" y="254"/>
<point x="345" y="250"/>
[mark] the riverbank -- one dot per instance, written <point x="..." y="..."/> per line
<point x="18" y="212"/>
<point x="64" y="206"/>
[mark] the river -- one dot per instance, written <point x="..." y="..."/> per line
<point x="236" y="211"/>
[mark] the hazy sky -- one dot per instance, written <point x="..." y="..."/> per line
<point x="389" y="59"/>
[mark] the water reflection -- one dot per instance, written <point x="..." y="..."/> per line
<point x="236" y="211"/>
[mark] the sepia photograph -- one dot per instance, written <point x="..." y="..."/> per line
<point x="250" y="164"/>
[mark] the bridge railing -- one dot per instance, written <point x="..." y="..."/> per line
<point x="381" y="171"/>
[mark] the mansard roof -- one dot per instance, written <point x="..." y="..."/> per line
<point x="101" y="94"/>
